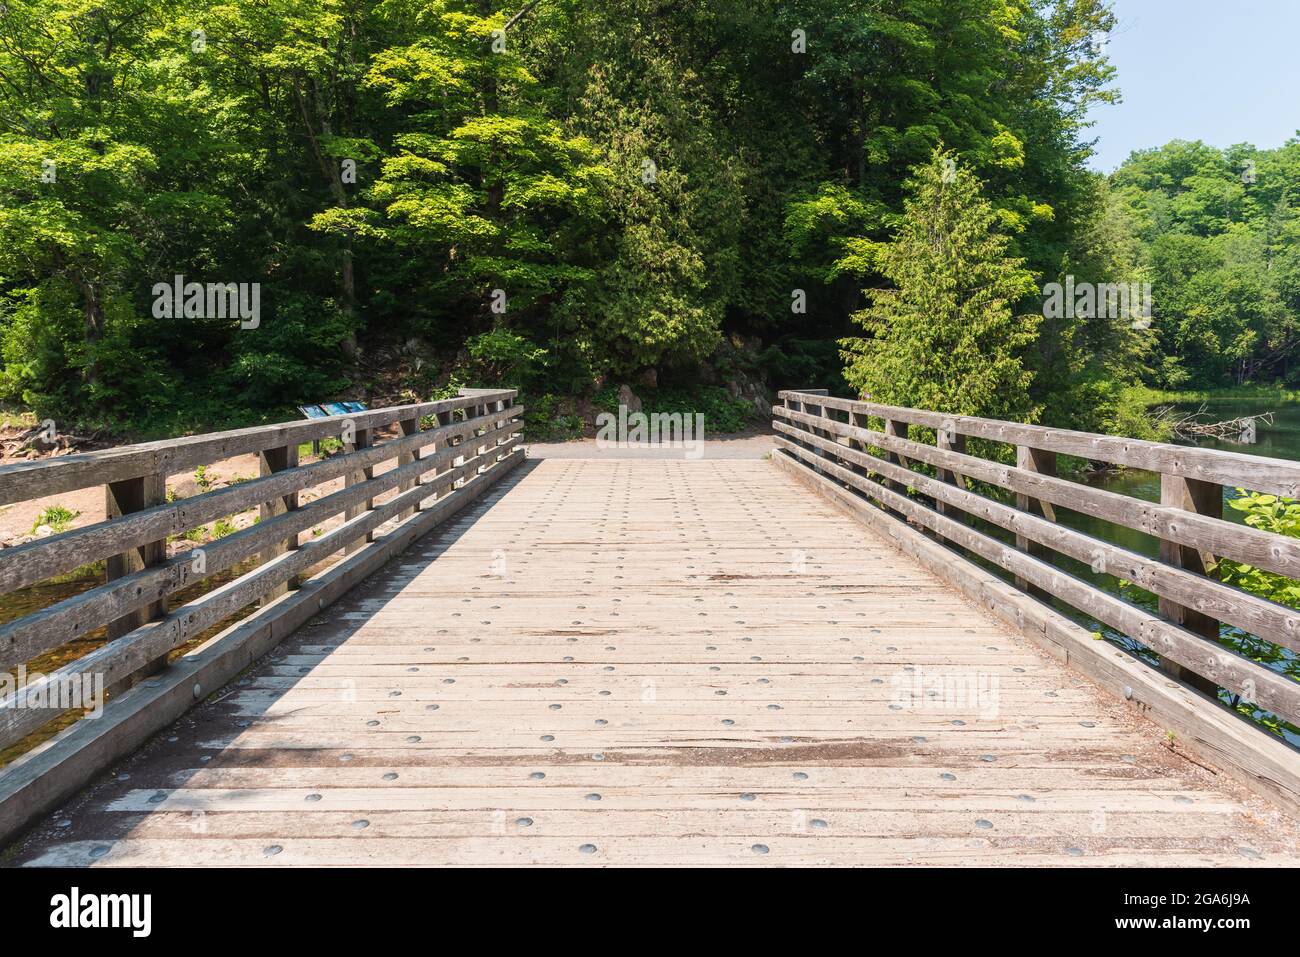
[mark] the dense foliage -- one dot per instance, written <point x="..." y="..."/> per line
<point x="1216" y="231"/>
<point x="943" y="335"/>
<point x="562" y="195"/>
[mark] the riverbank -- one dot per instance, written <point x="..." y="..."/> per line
<point x="1275" y="393"/>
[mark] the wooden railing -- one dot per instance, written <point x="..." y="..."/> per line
<point x="864" y="448"/>
<point x="444" y="455"/>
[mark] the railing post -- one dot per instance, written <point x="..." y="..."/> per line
<point x="1204" y="498"/>
<point x="794" y="406"/>
<point x="896" y="429"/>
<point x="361" y="441"/>
<point x="445" y="418"/>
<point x="409" y="427"/>
<point x="948" y="439"/>
<point x="1043" y="462"/>
<point x="269" y="462"/>
<point x="799" y="405"/>
<point x="806" y="409"/>
<point x="123" y="498"/>
<point x="860" y="420"/>
<point x="480" y="410"/>
<point x="498" y="407"/>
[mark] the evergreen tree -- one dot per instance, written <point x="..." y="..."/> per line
<point x="946" y="336"/>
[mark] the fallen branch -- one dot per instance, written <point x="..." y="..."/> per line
<point x="35" y="442"/>
<point x="1190" y="426"/>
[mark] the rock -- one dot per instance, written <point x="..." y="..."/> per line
<point x="649" y="379"/>
<point x="43" y="531"/>
<point x="628" y="398"/>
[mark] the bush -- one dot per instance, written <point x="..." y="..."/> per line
<point x="1270" y="514"/>
<point x="549" y="418"/>
<point x="57" y="517"/>
<point x="722" y="411"/>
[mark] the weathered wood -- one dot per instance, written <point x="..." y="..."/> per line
<point x="361" y="440"/>
<point x="1276" y="553"/>
<point x="36" y="561"/>
<point x="1251" y="613"/>
<point x="26" y="637"/>
<point x="21" y="481"/>
<point x="949" y="440"/>
<point x="451" y="441"/>
<point x="1030" y="459"/>
<point x="1271" y="690"/>
<point x="807" y="752"/>
<point x="1257" y="472"/>
<point x="271" y="461"/>
<point x="409" y="427"/>
<point x="123" y="498"/>
<point x="42" y="779"/>
<point x="897" y="429"/>
<point x="1265" y="763"/>
<point x="127" y="654"/>
<point x="1204" y="498"/>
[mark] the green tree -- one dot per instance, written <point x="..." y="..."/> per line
<point x="946" y="335"/>
<point x="80" y="195"/>
<point x="480" y="183"/>
<point x="668" y="263"/>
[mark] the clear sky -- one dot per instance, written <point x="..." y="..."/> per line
<point x="1222" y="71"/>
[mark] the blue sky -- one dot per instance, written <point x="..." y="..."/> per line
<point x="1222" y="71"/>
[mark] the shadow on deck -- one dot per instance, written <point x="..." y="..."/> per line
<point x="665" y="662"/>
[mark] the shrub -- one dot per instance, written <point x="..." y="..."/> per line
<point x="56" y="517"/>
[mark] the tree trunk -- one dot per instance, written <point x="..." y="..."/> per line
<point x="334" y="180"/>
<point x="92" y="312"/>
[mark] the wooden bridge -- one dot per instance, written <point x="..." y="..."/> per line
<point x="852" y="650"/>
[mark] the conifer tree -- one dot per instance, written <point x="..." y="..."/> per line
<point x="947" y="335"/>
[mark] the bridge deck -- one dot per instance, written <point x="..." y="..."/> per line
<point x="658" y="662"/>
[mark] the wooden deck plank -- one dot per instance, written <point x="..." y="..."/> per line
<point x="736" y="671"/>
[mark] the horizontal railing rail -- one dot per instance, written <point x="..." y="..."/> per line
<point x="865" y="446"/>
<point x="1270" y="475"/>
<point x="436" y="457"/>
<point x="22" y="481"/>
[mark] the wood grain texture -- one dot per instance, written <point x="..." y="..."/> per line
<point x="1276" y="553"/>
<point x="659" y="662"/>
<point x="1192" y="722"/>
<point x="42" y="778"/>
<point x="20" y="481"/>
<point x="35" y="561"/>
<point x="1255" y="682"/>
<point x="64" y="621"/>
<point x="1257" y="472"/>
<point x="1260" y="616"/>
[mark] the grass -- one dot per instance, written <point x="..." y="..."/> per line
<point x="16" y="419"/>
<point x="56" y="517"/>
<point x="328" y="445"/>
<point x="1276" y="393"/>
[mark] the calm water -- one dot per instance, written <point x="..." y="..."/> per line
<point x="1279" y="440"/>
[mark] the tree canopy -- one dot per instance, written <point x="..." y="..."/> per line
<point x="568" y="196"/>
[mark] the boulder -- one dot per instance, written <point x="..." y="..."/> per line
<point x="628" y="398"/>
